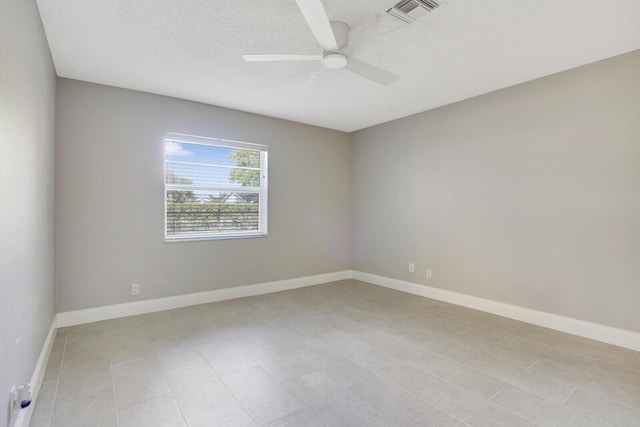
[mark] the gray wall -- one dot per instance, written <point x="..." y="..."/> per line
<point x="110" y="199"/>
<point x="529" y="195"/>
<point x="27" y="92"/>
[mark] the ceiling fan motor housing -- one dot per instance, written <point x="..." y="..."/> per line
<point x="341" y="33"/>
<point x="334" y="60"/>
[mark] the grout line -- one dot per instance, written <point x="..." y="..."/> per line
<point x="599" y="377"/>
<point x="172" y="394"/>
<point x="219" y="376"/>
<point x="372" y="419"/>
<point x="236" y="398"/>
<point x="570" y="394"/>
<point x="113" y="388"/>
<point x="160" y="367"/>
<point x="607" y="399"/>
<point x="496" y="393"/>
<point x="533" y="364"/>
<point x="412" y="394"/>
<point x="55" y="393"/>
<point x="467" y="391"/>
<point x="595" y="417"/>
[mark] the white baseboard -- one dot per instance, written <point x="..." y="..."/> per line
<point x="78" y="317"/>
<point x="23" y="418"/>
<point x="582" y="328"/>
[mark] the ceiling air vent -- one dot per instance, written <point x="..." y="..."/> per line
<point x="410" y="10"/>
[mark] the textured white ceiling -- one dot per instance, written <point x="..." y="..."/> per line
<point x="192" y="49"/>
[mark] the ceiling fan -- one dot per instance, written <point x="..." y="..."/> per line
<point x="333" y="37"/>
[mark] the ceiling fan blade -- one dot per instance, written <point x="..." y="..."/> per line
<point x="370" y="72"/>
<point x="279" y="57"/>
<point x="318" y="22"/>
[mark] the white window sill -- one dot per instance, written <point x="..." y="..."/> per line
<point x="199" y="237"/>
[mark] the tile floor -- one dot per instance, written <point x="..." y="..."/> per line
<point x="341" y="354"/>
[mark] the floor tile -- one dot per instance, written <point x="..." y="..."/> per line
<point x="494" y="416"/>
<point x="340" y="342"/>
<point x="606" y="352"/>
<point x="399" y="405"/>
<point x="138" y="381"/>
<point x="396" y="346"/>
<point x="176" y="354"/>
<point x="252" y="378"/>
<point x="228" y="415"/>
<point x="266" y="404"/>
<point x="541" y="411"/>
<point x="123" y="322"/>
<point x="344" y="372"/>
<point x="458" y="374"/>
<point x="158" y="412"/>
<point x="342" y="323"/>
<point x="166" y="329"/>
<point x="88" y="342"/>
<point x="312" y="387"/>
<point x="130" y="353"/>
<point x="497" y="350"/>
<point x="198" y="394"/>
<point x="452" y="400"/>
<point x="277" y="362"/>
<point x="301" y="417"/>
<point x="125" y="336"/>
<point x="83" y="374"/>
<point x="263" y="397"/>
<point x="339" y="409"/>
<point x="226" y="357"/>
<point x="382" y="421"/>
<point x="538" y="382"/>
<point x="599" y="385"/>
<point x="83" y="408"/>
<point x="340" y="354"/>
<point x="616" y="373"/>
<point x="604" y="410"/>
<point x="54" y="363"/>
<point x="44" y="404"/>
<point x="206" y="334"/>
<point x="342" y="409"/>
<point x="546" y="351"/>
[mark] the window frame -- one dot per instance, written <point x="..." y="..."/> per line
<point x="262" y="190"/>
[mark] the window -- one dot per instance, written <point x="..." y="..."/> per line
<point x="214" y="188"/>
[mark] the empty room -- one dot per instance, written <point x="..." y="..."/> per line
<point x="319" y="213"/>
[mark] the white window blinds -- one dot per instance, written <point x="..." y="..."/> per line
<point x="214" y="188"/>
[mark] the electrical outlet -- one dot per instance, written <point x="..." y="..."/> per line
<point x="135" y="289"/>
<point x="412" y="267"/>
<point x="20" y="398"/>
<point x="428" y="273"/>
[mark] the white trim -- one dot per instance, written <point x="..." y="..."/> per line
<point x="78" y="317"/>
<point x="24" y="416"/>
<point x="220" y="236"/>
<point x="582" y="328"/>
<point x="208" y="140"/>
